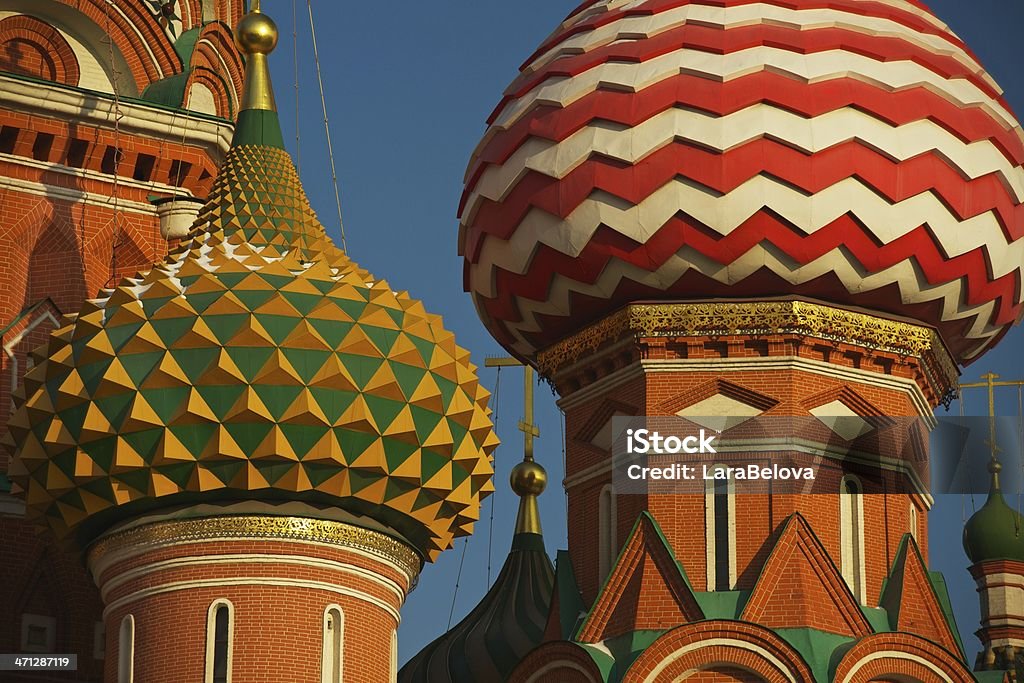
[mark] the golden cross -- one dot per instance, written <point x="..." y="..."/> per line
<point x="990" y="383"/>
<point x="526" y="425"/>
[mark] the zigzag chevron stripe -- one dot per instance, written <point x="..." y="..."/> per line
<point x="730" y="17"/>
<point x="603" y="12"/>
<point x="810" y="68"/>
<point x="853" y="151"/>
<point x="693" y="92"/>
<point x="563" y="295"/>
<point x="725" y="40"/>
<point x="893" y="182"/>
<point x="724" y="214"/>
<point x="759" y="121"/>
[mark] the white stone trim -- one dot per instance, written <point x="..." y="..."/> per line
<point x="327" y="651"/>
<point x="895" y="655"/>
<point x="851" y="546"/>
<point x="562" y="664"/>
<point x="208" y="560"/>
<point x="710" y="537"/>
<point x="722" y="365"/>
<point x="727" y="642"/>
<point x="130" y="552"/>
<point x="211" y="638"/>
<point x="126" y="650"/>
<point x="76" y="196"/>
<point x="249" y="581"/>
<point x="14" y="341"/>
<point x="149" y="186"/>
<point x="51" y="101"/>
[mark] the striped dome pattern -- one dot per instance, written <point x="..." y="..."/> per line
<point x="851" y="151"/>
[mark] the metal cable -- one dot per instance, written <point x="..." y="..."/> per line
<point x="115" y="76"/>
<point x="490" y="526"/>
<point x="458" y="578"/>
<point x="327" y="127"/>
<point x="295" y="68"/>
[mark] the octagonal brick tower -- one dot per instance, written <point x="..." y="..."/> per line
<point x="772" y="208"/>
<point x="256" y="442"/>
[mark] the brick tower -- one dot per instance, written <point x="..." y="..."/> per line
<point x="994" y="541"/>
<point x="114" y="118"/>
<point x="255" y="442"/>
<point x="724" y="209"/>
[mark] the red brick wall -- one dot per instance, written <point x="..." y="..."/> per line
<point x="758" y="517"/>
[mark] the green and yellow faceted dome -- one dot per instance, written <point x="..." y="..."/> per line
<point x="256" y="363"/>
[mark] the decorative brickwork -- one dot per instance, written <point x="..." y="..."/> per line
<point x="716" y="645"/>
<point x="32" y="48"/>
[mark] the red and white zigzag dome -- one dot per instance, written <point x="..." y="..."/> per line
<point x="849" y="151"/>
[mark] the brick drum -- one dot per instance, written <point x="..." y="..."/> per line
<point x="279" y="590"/>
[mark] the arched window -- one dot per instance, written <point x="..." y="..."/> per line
<point x="126" y="651"/>
<point x="720" y="531"/>
<point x="334" y="633"/>
<point x="220" y="633"/>
<point x="851" y="534"/>
<point x="913" y="520"/>
<point x="606" y="532"/>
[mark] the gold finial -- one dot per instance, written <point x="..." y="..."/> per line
<point x="256" y="36"/>
<point x="528" y="480"/>
<point x="994" y="469"/>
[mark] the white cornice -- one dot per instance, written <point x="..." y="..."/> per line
<point x="52" y="101"/>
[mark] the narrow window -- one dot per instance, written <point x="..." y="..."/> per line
<point x="220" y="629"/>
<point x="126" y="651"/>
<point x="606" y="531"/>
<point x="334" y="625"/>
<point x="77" y="150"/>
<point x="851" y="534"/>
<point x="8" y="138"/>
<point x="913" y="520"/>
<point x="111" y="160"/>
<point x="178" y="172"/>
<point x="42" y="146"/>
<point x="144" y="167"/>
<point x="720" y="532"/>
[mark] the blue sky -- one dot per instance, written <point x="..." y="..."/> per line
<point x="409" y="86"/>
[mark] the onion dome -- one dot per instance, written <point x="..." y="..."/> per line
<point x="255" y="363"/>
<point x="996" y="531"/>
<point x="849" y="151"/>
<point x="509" y="621"/>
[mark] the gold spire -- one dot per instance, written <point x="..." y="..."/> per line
<point x="528" y="479"/>
<point x="256" y="36"/>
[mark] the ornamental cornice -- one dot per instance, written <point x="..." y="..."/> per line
<point x="760" y="318"/>
<point x="267" y="527"/>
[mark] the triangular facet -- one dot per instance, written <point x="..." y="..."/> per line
<point x="799" y="566"/>
<point x="646" y="590"/>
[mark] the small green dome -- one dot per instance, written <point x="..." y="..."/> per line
<point x="996" y="531"/>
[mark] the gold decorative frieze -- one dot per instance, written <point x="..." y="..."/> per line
<point x="759" y="318"/>
<point x="267" y="527"/>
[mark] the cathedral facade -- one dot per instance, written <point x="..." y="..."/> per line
<point x="229" y="450"/>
